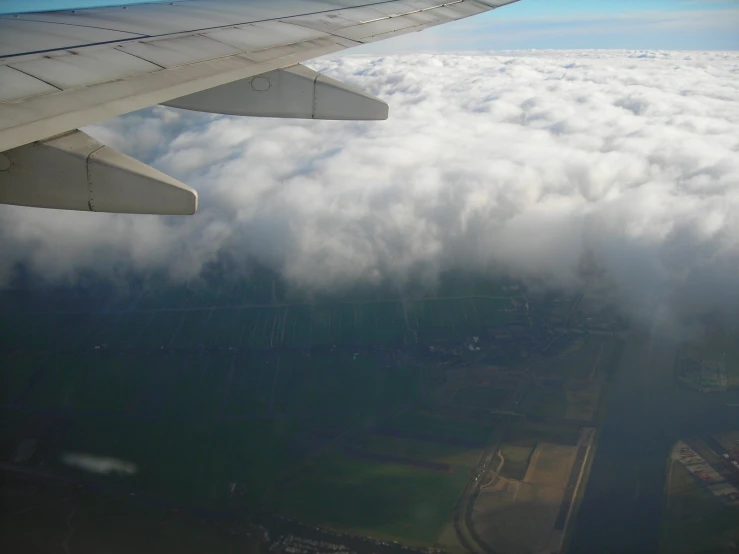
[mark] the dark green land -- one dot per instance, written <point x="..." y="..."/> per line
<point x="368" y="412"/>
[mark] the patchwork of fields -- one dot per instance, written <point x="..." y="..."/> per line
<point x="204" y="391"/>
<point x="525" y="504"/>
<point x="191" y="319"/>
<point x="715" y="346"/>
<point x="194" y="423"/>
<point x="695" y="521"/>
<point x="384" y="485"/>
<point x="371" y="416"/>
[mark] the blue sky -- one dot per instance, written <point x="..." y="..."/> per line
<point x="543" y="24"/>
<point x="652" y="24"/>
<point x="558" y="24"/>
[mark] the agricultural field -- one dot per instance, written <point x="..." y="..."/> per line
<point x="425" y="426"/>
<point x="545" y="402"/>
<point x="481" y="397"/>
<point x="694" y="519"/>
<point x="582" y="405"/>
<point x="260" y="313"/>
<point x="100" y="520"/>
<point x="556" y="306"/>
<point x="523" y="437"/>
<point x="250" y="395"/>
<point x="590" y="359"/>
<point x="560" y="403"/>
<point x="340" y="382"/>
<point x="514" y="460"/>
<point x="529" y="433"/>
<point x="196" y="386"/>
<point x="730" y="441"/>
<point x="257" y="327"/>
<point x="398" y="479"/>
<point x="194" y="422"/>
<point x="386" y="487"/>
<point x="380" y="500"/>
<point x="524" y="507"/>
<point x="715" y="345"/>
<point x="458" y="458"/>
<point x="732" y="374"/>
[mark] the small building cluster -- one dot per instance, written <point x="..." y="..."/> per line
<point x="292" y="544"/>
<point x="705" y="375"/>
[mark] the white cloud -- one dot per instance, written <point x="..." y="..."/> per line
<point x="99" y="464"/>
<point x="515" y="161"/>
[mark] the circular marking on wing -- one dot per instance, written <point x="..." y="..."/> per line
<point x="260" y="84"/>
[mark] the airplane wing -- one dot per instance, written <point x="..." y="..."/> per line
<point x="61" y="70"/>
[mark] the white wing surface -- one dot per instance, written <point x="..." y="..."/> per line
<point x="65" y="69"/>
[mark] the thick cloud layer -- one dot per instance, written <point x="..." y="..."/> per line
<point x="539" y="164"/>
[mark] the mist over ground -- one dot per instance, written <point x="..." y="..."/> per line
<point x="546" y="166"/>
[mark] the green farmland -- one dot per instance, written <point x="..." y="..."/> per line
<point x="460" y="458"/>
<point x="695" y="521"/>
<point x="249" y="396"/>
<point x="256" y="327"/>
<point x="383" y="500"/>
<point x="545" y="402"/>
<point x="586" y="359"/>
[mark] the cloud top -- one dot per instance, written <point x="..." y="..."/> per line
<point x="518" y="162"/>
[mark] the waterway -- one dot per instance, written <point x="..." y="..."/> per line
<point x="648" y="410"/>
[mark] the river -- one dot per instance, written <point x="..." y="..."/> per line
<point x="648" y="410"/>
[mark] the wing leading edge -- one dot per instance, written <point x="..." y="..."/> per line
<point x="66" y="69"/>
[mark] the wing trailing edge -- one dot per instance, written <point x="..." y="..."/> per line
<point x="61" y="70"/>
